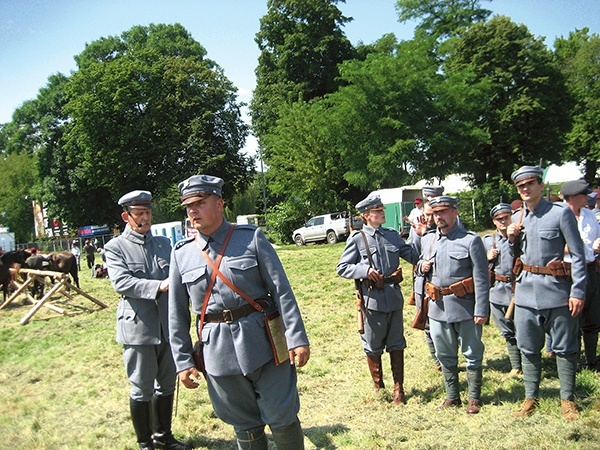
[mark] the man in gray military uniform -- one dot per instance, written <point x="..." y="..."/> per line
<point x="548" y="293"/>
<point x="458" y="289"/>
<point x="138" y="266"/>
<point x="501" y="261"/>
<point x="372" y="256"/>
<point x="248" y="390"/>
<point x="575" y="194"/>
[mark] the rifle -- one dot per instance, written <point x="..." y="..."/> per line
<point x="510" y="311"/>
<point x="360" y="313"/>
<point x="420" y="320"/>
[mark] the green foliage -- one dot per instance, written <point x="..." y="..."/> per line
<point x="442" y="18"/>
<point x="475" y="205"/>
<point x="301" y="44"/>
<point x="284" y="218"/>
<point x="17" y="172"/>
<point x="579" y="59"/>
<point x="523" y="113"/>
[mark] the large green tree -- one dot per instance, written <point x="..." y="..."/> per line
<point x="579" y="59"/>
<point x="143" y="110"/>
<point x="524" y="112"/>
<point x="301" y="44"/>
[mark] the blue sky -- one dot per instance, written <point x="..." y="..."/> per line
<point x="40" y="37"/>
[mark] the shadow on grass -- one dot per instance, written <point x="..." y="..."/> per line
<point x="321" y="436"/>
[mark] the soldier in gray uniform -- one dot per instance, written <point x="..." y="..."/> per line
<point x="138" y="266"/>
<point x="373" y="263"/>
<point x="575" y="194"/>
<point x="548" y="294"/>
<point x="501" y="263"/>
<point x="455" y="262"/>
<point x="248" y="390"/>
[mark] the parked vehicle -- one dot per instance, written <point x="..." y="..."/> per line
<point x="398" y="204"/>
<point x="331" y="228"/>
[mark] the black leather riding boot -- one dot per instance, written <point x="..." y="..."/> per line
<point x="141" y="416"/>
<point x="162" y="408"/>
<point x="289" y="438"/>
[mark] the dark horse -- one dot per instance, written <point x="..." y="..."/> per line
<point x="64" y="262"/>
<point x="8" y="260"/>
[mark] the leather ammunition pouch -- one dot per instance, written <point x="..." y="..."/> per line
<point x="517" y="267"/>
<point x="394" y="278"/>
<point x="503" y="278"/>
<point x="554" y="268"/>
<point x="460" y="289"/>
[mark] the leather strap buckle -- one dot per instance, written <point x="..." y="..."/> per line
<point x="227" y="316"/>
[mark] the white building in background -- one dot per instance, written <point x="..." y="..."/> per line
<point x="7" y="240"/>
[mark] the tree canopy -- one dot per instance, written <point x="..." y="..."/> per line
<point x="143" y="110"/>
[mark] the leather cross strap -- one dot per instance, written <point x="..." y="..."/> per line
<point x="213" y="277"/>
<point x="233" y="287"/>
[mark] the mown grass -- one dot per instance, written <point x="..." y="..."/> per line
<point x="63" y="386"/>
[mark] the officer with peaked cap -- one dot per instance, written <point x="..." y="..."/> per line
<point x="576" y="194"/>
<point x="501" y="278"/>
<point x="432" y="191"/>
<point x="138" y="267"/>
<point x="372" y="257"/>
<point x="454" y="260"/>
<point x="549" y="295"/>
<point x="247" y="388"/>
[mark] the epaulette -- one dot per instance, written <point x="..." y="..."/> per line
<point x="182" y="242"/>
<point x="489" y="235"/>
<point x="245" y="226"/>
<point x="354" y="233"/>
<point x="433" y="230"/>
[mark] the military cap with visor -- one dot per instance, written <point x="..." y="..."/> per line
<point x="198" y="187"/>
<point x="500" y="208"/>
<point x="575" y="187"/>
<point x="136" y="199"/>
<point x="443" y="202"/>
<point x="433" y="191"/>
<point x="526" y="173"/>
<point x="371" y="202"/>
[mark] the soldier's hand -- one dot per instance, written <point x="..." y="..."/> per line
<point x="373" y="275"/>
<point x="299" y="356"/>
<point x="575" y="306"/>
<point x="513" y="231"/>
<point x="190" y="378"/>
<point x="480" y="320"/>
<point x="426" y="265"/>
<point x="164" y="285"/>
<point x="492" y="254"/>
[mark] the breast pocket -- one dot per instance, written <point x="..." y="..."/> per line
<point x="136" y="267"/>
<point x="459" y="258"/>
<point x="550" y="234"/>
<point x="194" y="276"/>
<point x="243" y="268"/>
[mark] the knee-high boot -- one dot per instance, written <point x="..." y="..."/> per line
<point x="162" y="409"/>
<point x="474" y="378"/>
<point x="141" y="416"/>
<point x="397" y="362"/>
<point x="252" y="439"/>
<point x="290" y="437"/>
<point x="451" y="385"/>
<point x="374" y="362"/>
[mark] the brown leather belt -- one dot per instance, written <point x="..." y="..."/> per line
<point x="502" y="278"/>
<point x="537" y="269"/>
<point x="231" y="315"/>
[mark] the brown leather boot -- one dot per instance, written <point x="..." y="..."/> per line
<point x="526" y="408"/>
<point x="569" y="410"/>
<point x="397" y="361"/>
<point x="376" y="372"/>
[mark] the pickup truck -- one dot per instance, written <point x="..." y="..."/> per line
<point x="327" y="227"/>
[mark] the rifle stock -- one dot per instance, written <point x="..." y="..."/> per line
<point x="360" y="315"/>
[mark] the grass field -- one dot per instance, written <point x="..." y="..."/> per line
<point x="63" y="385"/>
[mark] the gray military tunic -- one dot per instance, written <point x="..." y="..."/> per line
<point x="501" y="291"/>
<point x="383" y="321"/>
<point x="136" y="266"/>
<point x="457" y="255"/>
<point x="239" y="351"/>
<point x="546" y="231"/>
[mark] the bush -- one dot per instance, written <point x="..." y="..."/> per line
<point x="475" y="205"/>
<point x="284" y="218"/>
